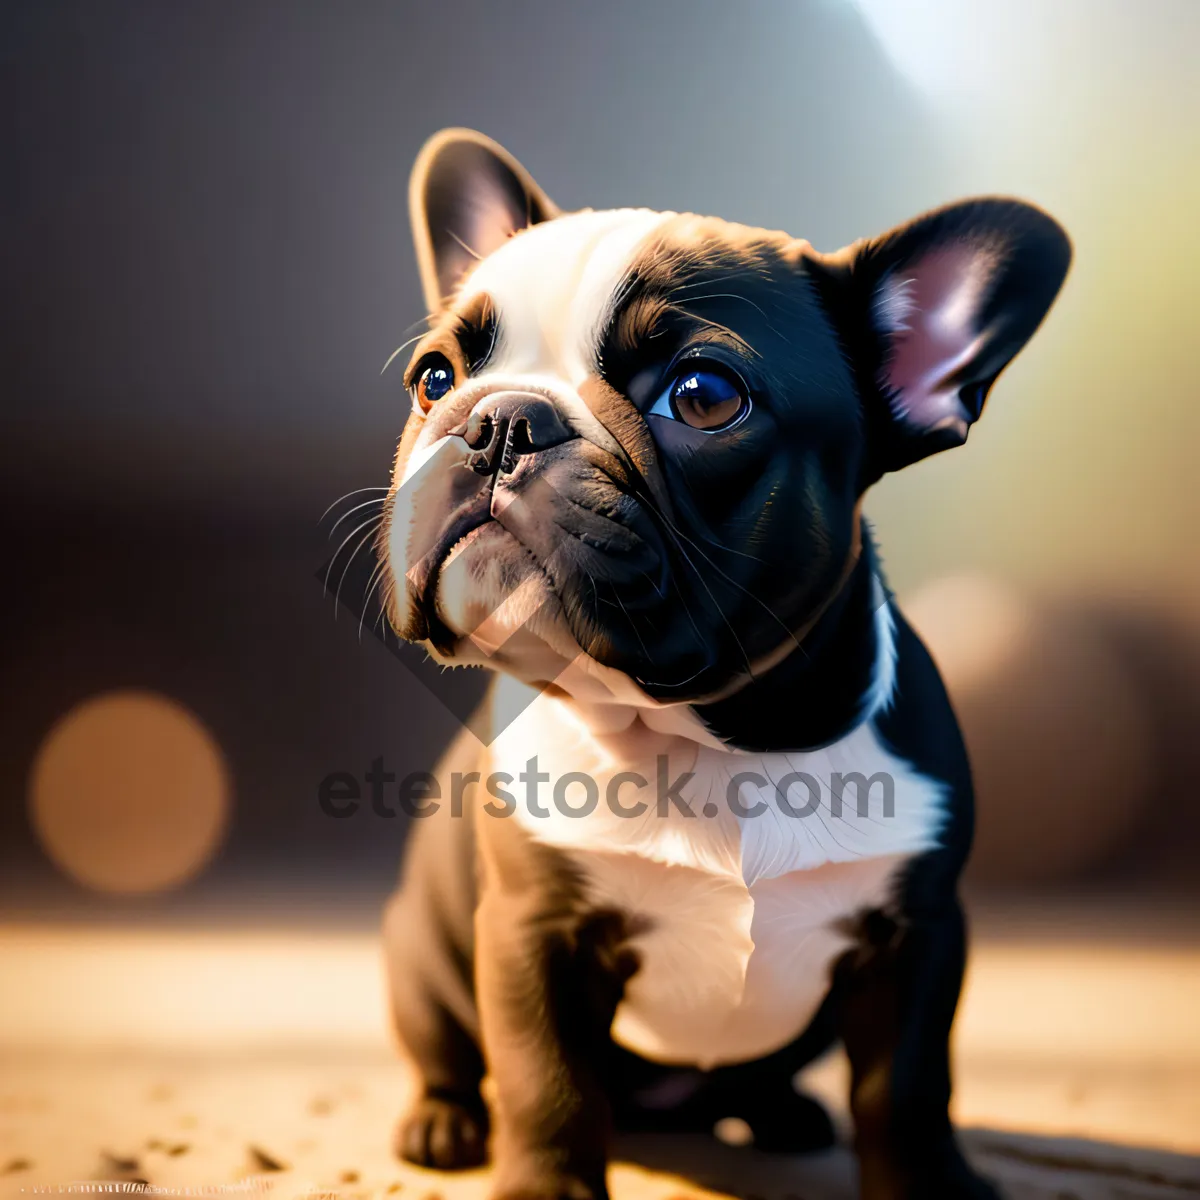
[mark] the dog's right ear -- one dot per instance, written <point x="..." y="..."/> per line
<point x="467" y="196"/>
<point x="932" y="311"/>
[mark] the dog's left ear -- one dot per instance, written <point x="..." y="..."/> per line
<point x="933" y="311"/>
<point x="467" y="196"/>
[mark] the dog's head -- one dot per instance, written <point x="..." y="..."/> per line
<point x="644" y="437"/>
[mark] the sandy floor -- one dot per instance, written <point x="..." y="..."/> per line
<point x="199" y="1060"/>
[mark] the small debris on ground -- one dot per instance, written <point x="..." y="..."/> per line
<point x="117" y="1164"/>
<point x="264" y="1161"/>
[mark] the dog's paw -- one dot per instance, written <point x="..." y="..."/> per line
<point x="444" y="1134"/>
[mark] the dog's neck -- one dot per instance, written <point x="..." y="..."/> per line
<point x="839" y="675"/>
<point x="834" y="679"/>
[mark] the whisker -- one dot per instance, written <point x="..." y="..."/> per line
<point x="373" y="581"/>
<point x="356" y="492"/>
<point x="653" y="583"/>
<point x="492" y="344"/>
<point x="730" y="550"/>
<point x="736" y="296"/>
<point x="426" y="319"/>
<point x="403" y="346"/>
<point x="329" y="570"/>
<point x="385" y="603"/>
<point x="647" y="499"/>
<point x="720" y="611"/>
<point x="737" y="337"/>
<point x="759" y="273"/>
<point x="678" y="537"/>
<point x="703" y="583"/>
<point x="728" y="296"/>
<point x="729" y="579"/>
<point x="379" y="500"/>
<point x="473" y="253"/>
<point x="632" y="623"/>
<point x="346" y="569"/>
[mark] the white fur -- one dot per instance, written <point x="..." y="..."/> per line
<point x="744" y="914"/>
<point x="553" y="287"/>
<point x="577" y="263"/>
<point x="883" y="678"/>
<point x="895" y="303"/>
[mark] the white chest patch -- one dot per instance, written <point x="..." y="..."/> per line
<point x="741" y="898"/>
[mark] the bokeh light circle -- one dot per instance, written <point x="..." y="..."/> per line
<point x="129" y="793"/>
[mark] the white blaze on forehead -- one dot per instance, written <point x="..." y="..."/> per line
<point x="553" y="286"/>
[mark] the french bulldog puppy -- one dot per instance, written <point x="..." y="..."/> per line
<point x="723" y="814"/>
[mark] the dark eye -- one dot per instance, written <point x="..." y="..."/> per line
<point x="704" y="398"/>
<point x="435" y="381"/>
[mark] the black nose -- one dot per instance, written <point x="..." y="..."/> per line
<point x="505" y="425"/>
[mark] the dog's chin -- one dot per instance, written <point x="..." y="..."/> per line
<point x="490" y="603"/>
<point x="499" y="609"/>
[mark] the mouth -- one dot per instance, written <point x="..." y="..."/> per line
<point x="557" y="526"/>
<point x="612" y="572"/>
<point x="424" y="575"/>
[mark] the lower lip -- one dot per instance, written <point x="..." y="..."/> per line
<point x="466" y="521"/>
<point x="463" y="542"/>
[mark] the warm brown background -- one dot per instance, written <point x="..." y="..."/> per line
<point x="207" y="263"/>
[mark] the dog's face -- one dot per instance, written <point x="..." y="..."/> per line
<point x="644" y="437"/>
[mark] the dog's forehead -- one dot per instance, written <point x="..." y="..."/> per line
<point x="552" y="286"/>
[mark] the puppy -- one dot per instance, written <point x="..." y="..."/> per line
<point x="722" y="814"/>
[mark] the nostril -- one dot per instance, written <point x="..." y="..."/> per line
<point x="535" y="423"/>
<point x="506" y="425"/>
<point x="487" y="439"/>
<point x="520" y="440"/>
<point x="480" y="430"/>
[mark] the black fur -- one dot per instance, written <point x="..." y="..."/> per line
<point x="733" y="571"/>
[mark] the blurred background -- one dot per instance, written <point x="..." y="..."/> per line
<point x="207" y="263"/>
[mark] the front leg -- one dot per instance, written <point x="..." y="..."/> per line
<point x="900" y="989"/>
<point x="549" y="976"/>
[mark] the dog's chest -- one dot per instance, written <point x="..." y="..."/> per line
<point x="738" y="881"/>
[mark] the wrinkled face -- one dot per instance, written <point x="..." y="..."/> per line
<point x="610" y="426"/>
<point x="643" y="437"/>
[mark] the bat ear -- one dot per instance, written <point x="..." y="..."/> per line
<point x="934" y="310"/>
<point x="467" y="196"/>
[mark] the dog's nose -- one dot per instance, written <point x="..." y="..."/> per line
<point x="505" y="425"/>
